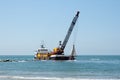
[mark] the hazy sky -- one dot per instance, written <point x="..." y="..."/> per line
<point x="25" y="23"/>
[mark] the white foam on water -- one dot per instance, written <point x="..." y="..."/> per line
<point x="45" y="78"/>
<point x="95" y="59"/>
<point x="22" y="61"/>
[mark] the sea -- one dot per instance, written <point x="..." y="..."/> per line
<point x="85" y="67"/>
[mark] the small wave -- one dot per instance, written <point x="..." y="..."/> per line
<point x="22" y="61"/>
<point x="45" y="78"/>
<point x="95" y="59"/>
<point x="71" y="60"/>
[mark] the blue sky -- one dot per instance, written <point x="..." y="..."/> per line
<point x="25" y="23"/>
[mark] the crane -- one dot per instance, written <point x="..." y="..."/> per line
<point x="60" y="49"/>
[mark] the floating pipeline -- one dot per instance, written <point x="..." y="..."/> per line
<point x="10" y="60"/>
<point x="6" y="60"/>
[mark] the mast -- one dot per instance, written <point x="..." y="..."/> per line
<point x="70" y="30"/>
<point x="73" y="51"/>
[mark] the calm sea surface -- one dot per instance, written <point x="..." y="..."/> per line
<point x="83" y="68"/>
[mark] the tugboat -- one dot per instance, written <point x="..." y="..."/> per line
<point x="58" y="53"/>
<point x="42" y="53"/>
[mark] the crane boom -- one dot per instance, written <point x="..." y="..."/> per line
<point x="69" y="31"/>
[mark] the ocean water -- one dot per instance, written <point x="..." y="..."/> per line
<point x="91" y="67"/>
